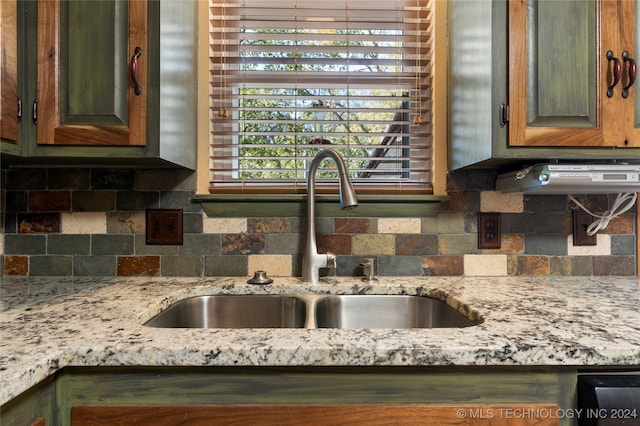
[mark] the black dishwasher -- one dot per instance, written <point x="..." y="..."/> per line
<point x="611" y="399"/>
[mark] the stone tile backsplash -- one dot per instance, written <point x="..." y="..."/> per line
<point x="91" y="222"/>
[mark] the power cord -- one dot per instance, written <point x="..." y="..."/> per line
<point x="616" y="210"/>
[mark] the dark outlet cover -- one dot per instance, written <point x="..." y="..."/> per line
<point x="581" y="221"/>
<point x="164" y="226"/>
<point x="489" y="232"/>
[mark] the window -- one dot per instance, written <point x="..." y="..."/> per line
<point x="290" y="77"/>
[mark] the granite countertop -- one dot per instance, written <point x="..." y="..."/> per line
<point x="50" y="323"/>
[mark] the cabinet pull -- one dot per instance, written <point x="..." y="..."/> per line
<point x="632" y="71"/>
<point x="133" y="68"/>
<point x="504" y="114"/>
<point x="35" y="111"/>
<point x="19" y="109"/>
<point x="617" y="71"/>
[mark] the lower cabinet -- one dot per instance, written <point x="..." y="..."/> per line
<point x="315" y="414"/>
<point x="444" y="395"/>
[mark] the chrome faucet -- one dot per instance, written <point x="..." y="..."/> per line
<point x="312" y="261"/>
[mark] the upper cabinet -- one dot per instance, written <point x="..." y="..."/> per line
<point x="552" y="80"/>
<point x="103" y="83"/>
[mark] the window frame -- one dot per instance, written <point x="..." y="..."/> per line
<point x="386" y="205"/>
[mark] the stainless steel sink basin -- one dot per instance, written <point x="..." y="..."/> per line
<point x="386" y="311"/>
<point x="309" y="311"/>
<point x="233" y="311"/>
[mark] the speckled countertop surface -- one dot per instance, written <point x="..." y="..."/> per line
<point x="48" y="324"/>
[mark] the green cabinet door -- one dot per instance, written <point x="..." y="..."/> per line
<point x="553" y="73"/>
<point x="85" y="93"/>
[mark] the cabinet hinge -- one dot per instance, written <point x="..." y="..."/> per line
<point x="504" y="114"/>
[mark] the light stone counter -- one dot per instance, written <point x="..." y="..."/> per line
<point x="49" y="324"/>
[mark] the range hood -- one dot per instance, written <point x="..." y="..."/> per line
<point x="572" y="179"/>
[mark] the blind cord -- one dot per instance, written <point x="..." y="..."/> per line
<point x="616" y="210"/>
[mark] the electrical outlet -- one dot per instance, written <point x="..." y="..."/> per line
<point x="489" y="235"/>
<point x="164" y="227"/>
<point x="581" y="221"/>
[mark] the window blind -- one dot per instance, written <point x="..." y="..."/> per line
<point x="290" y="77"/>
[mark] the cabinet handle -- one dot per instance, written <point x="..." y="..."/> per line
<point x="632" y="73"/>
<point x="19" y="109"/>
<point x="504" y="114"/>
<point x="617" y="71"/>
<point x="133" y="68"/>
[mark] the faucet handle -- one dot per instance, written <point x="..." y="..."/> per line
<point x="331" y="260"/>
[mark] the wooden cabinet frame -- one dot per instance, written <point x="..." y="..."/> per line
<point x="9" y="70"/>
<point x="317" y="414"/>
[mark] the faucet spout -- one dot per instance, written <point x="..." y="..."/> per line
<point x="312" y="260"/>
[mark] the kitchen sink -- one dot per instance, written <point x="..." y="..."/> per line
<point x="233" y="311"/>
<point x="386" y="311"/>
<point x="310" y="311"/>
